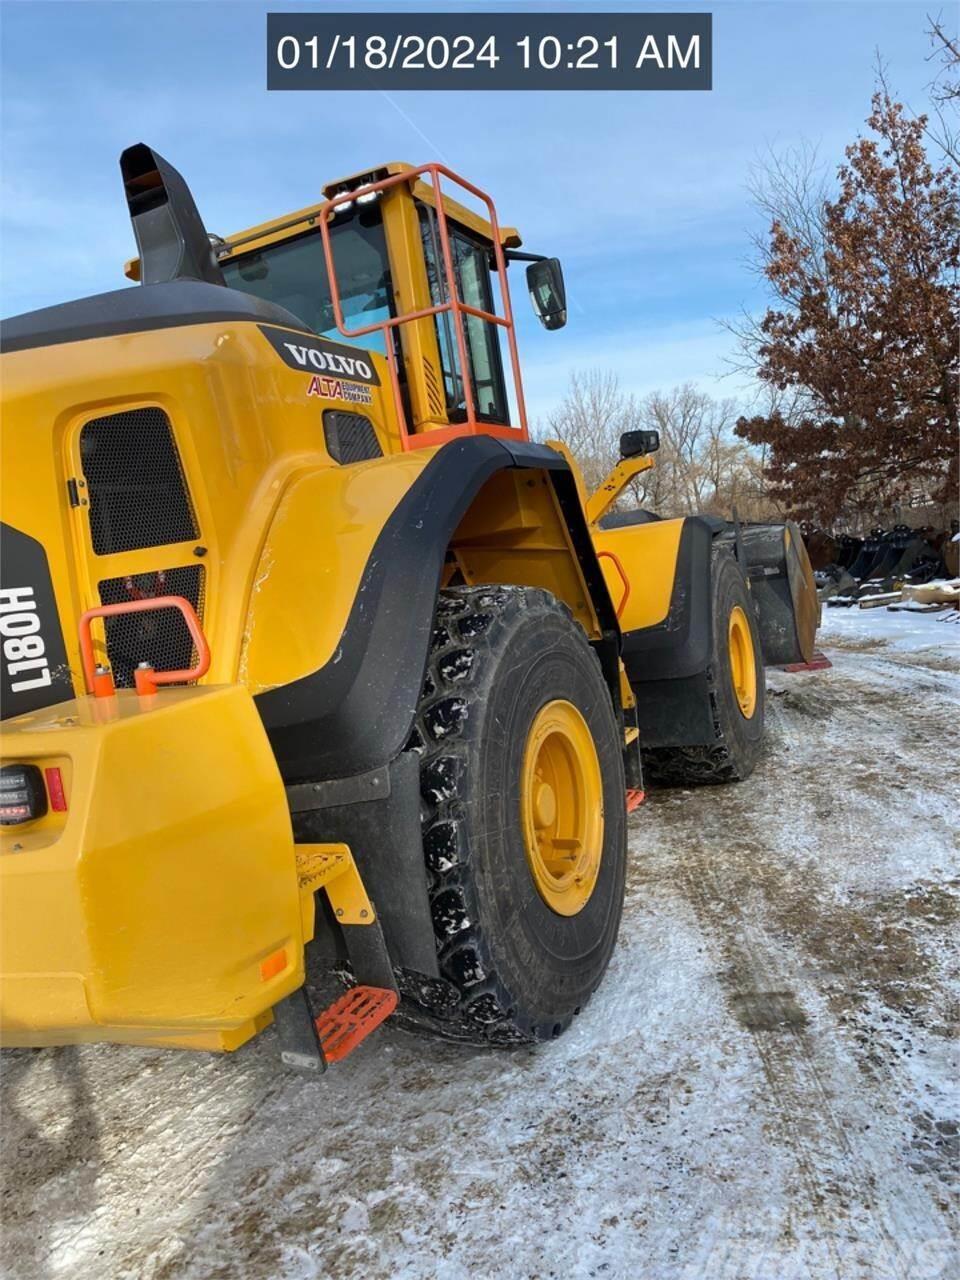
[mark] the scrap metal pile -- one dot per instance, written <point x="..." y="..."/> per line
<point x="900" y="568"/>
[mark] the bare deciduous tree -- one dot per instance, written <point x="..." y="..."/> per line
<point x="593" y="415"/>
<point x="701" y="465"/>
<point x="945" y="87"/>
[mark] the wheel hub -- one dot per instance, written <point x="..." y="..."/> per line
<point x="561" y="800"/>
<point x="544" y="806"/>
<point x="743" y="665"/>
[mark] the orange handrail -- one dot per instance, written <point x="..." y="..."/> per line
<point x="454" y="304"/>
<point x="152" y="678"/>
<point x="623" y="578"/>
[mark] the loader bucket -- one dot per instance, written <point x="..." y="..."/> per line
<point x="781" y="580"/>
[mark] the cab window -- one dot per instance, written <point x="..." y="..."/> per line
<point x="293" y="274"/>
<point x="471" y="260"/>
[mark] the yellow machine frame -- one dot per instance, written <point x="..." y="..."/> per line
<point x="170" y="904"/>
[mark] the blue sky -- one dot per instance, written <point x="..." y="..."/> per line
<point x="642" y="195"/>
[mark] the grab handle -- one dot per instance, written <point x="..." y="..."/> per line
<point x="146" y="678"/>
<point x="623" y="578"/>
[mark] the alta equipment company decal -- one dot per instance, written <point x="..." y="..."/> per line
<point x="337" y="389"/>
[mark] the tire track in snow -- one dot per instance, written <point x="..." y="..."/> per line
<point x="841" y="1172"/>
<point x="765" y="997"/>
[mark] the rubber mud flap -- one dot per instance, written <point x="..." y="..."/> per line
<point x="384" y="836"/>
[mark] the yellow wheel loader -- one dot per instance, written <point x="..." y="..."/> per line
<point x="311" y="654"/>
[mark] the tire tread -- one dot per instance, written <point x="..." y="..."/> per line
<point x="470" y="1003"/>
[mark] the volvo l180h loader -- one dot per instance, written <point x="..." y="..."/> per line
<point x="309" y="650"/>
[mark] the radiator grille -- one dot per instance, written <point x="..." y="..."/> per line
<point x="160" y="638"/>
<point x="350" y="437"/>
<point x="138" y="495"/>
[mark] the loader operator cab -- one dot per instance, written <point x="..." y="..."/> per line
<point x="387" y="251"/>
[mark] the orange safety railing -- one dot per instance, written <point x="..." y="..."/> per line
<point x="146" y="678"/>
<point x="454" y="304"/>
<point x="609" y="555"/>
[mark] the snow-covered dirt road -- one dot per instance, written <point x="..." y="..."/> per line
<point x="765" y="1086"/>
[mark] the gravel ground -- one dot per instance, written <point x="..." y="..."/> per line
<point x="764" y="1087"/>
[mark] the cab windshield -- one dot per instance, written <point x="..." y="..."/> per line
<point x="293" y="274"/>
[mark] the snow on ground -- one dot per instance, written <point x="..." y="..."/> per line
<point x="901" y="630"/>
<point x="763" y="1088"/>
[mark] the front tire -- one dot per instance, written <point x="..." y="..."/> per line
<point x="736" y="689"/>
<point x="524" y="826"/>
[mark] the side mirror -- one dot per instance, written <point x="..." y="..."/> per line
<point x="634" y="443"/>
<point x="547" y="293"/>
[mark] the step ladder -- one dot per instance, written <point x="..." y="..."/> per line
<point x="310" y="1041"/>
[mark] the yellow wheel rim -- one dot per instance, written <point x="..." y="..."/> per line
<point x="561" y="801"/>
<point x="743" y="664"/>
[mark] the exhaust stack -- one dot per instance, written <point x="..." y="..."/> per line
<point x="171" y="237"/>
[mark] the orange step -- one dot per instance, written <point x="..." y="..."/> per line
<point x="635" y="798"/>
<point x="351" y="1018"/>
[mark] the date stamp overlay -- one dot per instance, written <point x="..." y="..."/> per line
<point x="534" y="51"/>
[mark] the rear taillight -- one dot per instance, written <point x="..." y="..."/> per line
<point x="23" y="797"/>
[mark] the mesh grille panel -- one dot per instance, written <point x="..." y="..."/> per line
<point x="138" y="496"/>
<point x="350" y="437"/>
<point x="160" y="638"/>
<point x="434" y="395"/>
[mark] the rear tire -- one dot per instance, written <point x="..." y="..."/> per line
<point x="514" y="970"/>
<point x="738" y="738"/>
